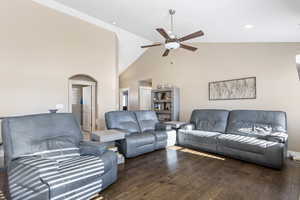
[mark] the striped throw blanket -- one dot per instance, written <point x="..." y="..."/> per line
<point x="57" y="175"/>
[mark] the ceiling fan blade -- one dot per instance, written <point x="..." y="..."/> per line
<point x="166" y="53"/>
<point x="191" y="36"/>
<point x="187" y="47"/>
<point x="151" y="45"/>
<point x="163" y="33"/>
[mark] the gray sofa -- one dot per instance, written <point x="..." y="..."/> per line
<point x="143" y="131"/>
<point x="250" y="135"/>
<point x="46" y="158"/>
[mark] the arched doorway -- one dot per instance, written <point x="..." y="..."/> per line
<point x="83" y="100"/>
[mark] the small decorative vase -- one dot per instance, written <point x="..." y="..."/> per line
<point x="159" y="95"/>
<point x="53" y="110"/>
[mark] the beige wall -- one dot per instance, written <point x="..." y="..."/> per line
<point x="278" y="86"/>
<point x="41" y="48"/>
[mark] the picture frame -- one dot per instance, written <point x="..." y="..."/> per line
<point x="233" y="89"/>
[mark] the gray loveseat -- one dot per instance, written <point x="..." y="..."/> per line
<point x="46" y="158"/>
<point x="143" y="131"/>
<point x="250" y="135"/>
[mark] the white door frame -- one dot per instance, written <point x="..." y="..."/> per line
<point x="84" y="83"/>
<point x="139" y="95"/>
<point x="121" y="96"/>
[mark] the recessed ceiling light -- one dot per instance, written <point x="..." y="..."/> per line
<point x="248" y="26"/>
<point x="114" y="23"/>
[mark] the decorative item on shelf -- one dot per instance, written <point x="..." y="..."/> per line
<point x="168" y="86"/>
<point x="168" y="96"/>
<point x="57" y="108"/>
<point x="168" y="106"/>
<point x="159" y="96"/>
<point x="165" y="86"/>
<point x="53" y="110"/>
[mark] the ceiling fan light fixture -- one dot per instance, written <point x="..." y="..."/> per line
<point x="248" y="26"/>
<point x="172" y="45"/>
<point x="171" y="39"/>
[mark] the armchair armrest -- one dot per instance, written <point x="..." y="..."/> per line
<point x="163" y="127"/>
<point x="92" y="148"/>
<point x="188" y="127"/>
<point x="38" y="168"/>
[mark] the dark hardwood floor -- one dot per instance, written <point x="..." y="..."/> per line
<point x="184" y="174"/>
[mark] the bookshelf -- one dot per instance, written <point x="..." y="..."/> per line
<point x="165" y="102"/>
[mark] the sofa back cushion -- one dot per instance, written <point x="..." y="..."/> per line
<point x="256" y="122"/>
<point x="124" y="120"/>
<point x="210" y="120"/>
<point x="31" y="134"/>
<point x="146" y="120"/>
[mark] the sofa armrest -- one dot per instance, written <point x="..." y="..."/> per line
<point x="126" y="132"/>
<point x="36" y="165"/>
<point x="187" y="127"/>
<point x="277" y="137"/>
<point x="163" y="127"/>
<point x="92" y="148"/>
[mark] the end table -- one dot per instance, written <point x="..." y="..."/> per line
<point x="109" y="137"/>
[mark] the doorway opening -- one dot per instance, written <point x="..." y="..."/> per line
<point x="124" y="99"/>
<point x="145" y="88"/>
<point x="83" y="101"/>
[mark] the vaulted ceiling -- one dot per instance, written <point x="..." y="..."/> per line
<point x="221" y="20"/>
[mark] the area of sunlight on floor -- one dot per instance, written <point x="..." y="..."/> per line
<point x="186" y="150"/>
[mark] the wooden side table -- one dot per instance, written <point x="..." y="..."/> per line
<point x="109" y="137"/>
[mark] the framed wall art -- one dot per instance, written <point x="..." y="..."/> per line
<point x="243" y="88"/>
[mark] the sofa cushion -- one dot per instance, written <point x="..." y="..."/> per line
<point x="256" y="123"/>
<point x="202" y="136"/>
<point x="159" y="135"/>
<point x="146" y="119"/>
<point x="244" y="143"/>
<point x="76" y="177"/>
<point x="140" y="139"/>
<point x="210" y="120"/>
<point x="124" y="120"/>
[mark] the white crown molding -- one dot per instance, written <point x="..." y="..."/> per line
<point x="129" y="43"/>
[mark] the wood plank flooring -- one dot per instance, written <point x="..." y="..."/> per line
<point x="183" y="174"/>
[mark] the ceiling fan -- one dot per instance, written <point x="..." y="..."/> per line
<point x="171" y="40"/>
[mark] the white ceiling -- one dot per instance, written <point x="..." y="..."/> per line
<point x="221" y="20"/>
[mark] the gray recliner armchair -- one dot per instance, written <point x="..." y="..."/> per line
<point x="46" y="158"/>
<point x="143" y="131"/>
